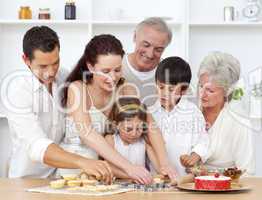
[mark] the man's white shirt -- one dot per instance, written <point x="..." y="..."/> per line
<point x="35" y="122"/>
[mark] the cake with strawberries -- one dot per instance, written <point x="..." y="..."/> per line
<point x="215" y="182"/>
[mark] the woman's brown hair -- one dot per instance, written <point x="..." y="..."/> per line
<point x="104" y="44"/>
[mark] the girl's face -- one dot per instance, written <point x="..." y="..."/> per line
<point x="210" y="93"/>
<point x="107" y="71"/>
<point x="130" y="129"/>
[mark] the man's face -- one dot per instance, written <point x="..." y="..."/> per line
<point x="44" y="65"/>
<point x="149" y="46"/>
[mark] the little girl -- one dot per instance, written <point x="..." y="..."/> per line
<point x="127" y="131"/>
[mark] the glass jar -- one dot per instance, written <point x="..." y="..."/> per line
<point x="70" y="10"/>
<point x="44" y="13"/>
<point x="25" y="12"/>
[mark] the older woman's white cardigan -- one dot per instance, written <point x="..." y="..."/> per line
<point x="231" y="142"/>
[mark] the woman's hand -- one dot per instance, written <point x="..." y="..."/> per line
<point x="100" y="169"/>
<point x="139" y="174"/>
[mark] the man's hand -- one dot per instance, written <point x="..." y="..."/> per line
<point x="100" y="169"/>
<point x="189" y="160"/>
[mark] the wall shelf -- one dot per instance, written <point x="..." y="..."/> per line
<point x="127" y="22"/>
<point x="33" y="22"/>
<point x="2" y="116"/>
<point x="79" y="22"/>
<point x="226" y="24"/>
<point x="197" y="28"/>
<point x="115" y="23"/>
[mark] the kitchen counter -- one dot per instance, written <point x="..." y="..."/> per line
<point x="14" y="189"/>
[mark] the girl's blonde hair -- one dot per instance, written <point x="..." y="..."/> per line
<point x="124" y="108"/>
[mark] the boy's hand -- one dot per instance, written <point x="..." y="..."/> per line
<point x="168" y="170"/>
<point x="189" y="160"/>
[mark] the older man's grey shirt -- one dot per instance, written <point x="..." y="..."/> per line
<point x="146" y="88"/>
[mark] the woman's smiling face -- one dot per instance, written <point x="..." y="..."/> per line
<point x="107" y="71"/>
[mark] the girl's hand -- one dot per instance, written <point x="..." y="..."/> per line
<point x="139" y="174"/>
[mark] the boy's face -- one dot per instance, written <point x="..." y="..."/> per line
<point x="169" y="94"/>
<point x="44" y="65"/>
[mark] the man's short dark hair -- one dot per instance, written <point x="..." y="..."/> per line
<point x="173" y="70"/>
<point x="40" y="38"/>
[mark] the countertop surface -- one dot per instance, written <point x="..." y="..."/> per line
<point x="15" y="189"/>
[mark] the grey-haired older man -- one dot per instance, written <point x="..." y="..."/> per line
<point x="151" y="38"/>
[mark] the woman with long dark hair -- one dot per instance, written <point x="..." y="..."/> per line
<point x="89" y="98"/>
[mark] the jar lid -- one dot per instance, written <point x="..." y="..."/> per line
<point x="44" y="9"/>
<point x="70" y="2"/>
<point x="24" y="7"/>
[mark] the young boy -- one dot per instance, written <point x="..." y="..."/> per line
<point x="180" y="121"/>
<point x="31" y="101"/>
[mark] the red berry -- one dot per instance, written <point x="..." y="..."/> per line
<point x="216" y="175"/>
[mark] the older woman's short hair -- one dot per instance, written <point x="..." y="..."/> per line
<point x="223" y="69"/>
<point x="156" y="23"/>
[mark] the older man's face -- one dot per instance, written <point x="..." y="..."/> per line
<point x="149" y="46"/>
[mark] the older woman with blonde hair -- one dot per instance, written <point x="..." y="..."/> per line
<point x="231" y="142"/>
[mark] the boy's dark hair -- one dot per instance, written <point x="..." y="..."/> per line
<point x="174" y="70"/>
<point x="39" y="37"/>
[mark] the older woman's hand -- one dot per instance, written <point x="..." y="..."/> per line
<point x="189" y="160"/>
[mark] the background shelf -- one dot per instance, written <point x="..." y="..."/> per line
<point x="34" y="22"/>
<point x="226" y="24"/>
<point x="197" y="28"/>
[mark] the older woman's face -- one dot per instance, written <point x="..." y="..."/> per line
<point x="210" y="93"/>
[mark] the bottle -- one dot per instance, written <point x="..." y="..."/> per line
<point x="70" y="10"/>
<point x="229" y="13"/>
<point x="25" y="12"/>
<point x="44" y="13"/>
